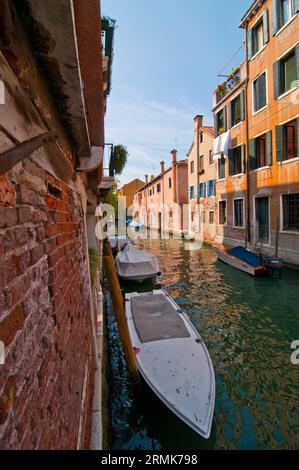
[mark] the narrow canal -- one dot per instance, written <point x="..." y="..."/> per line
<point x="248" y="326"/>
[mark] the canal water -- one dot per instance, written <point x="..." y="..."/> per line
<point x="248" y="325"/>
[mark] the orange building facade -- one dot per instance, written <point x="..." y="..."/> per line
<point x="128" y="190"/>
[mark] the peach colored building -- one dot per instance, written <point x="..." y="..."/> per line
<point x="202" y="183"/>
<point x="129" y="189"/>
<point x="159" y="203"/>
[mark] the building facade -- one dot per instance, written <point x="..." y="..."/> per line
<point x="159" y="204"/>
<point x="128" y="190"/>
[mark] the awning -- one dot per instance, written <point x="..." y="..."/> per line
<point x="221" y="145"/>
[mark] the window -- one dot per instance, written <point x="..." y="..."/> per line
<point x="285" y="72"/>
<point x="260" y="151"/>
<point x="169" y="182"/>
<point x="192" y="195"/>
<point x="239" y="213"/>
<point x="290" y="209"/>
<point x="192" y="167"/>
<point x="287" y="141"/>
<point x="211" y="159"/>
<point x="259" y="93"/>
<point x="220" y="121"/>
<point x="201" y="163"/>
<point x="211" y="217"/>
<point x="201" y="137"/>
<point x="236" y="111"/>
<point x="221" y="168"/>
<point x="211" y="188"/>
<point x="158" y="188"/>
<point x="236" y="160"/>
<point x="170" y="214"/>
<point x="202" y="190"/>
<point x="222" y="212"/>
<point x="258" y="37"/>
<point x="285" y="11"/>
<point x="192" y="216"/>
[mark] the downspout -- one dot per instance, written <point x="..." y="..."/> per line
<point x="248" y="235"/>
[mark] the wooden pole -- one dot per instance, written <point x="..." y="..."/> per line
<point x="119" y="309"/>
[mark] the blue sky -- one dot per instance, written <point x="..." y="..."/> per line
<point x="167" y="56"/>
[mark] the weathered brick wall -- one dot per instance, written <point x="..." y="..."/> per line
<point x="45" y="319"/>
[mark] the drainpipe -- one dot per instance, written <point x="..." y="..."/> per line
<point x="162" y="165"/>
<point x="248" y="235"/>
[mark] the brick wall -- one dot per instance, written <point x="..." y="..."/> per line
<point x="45" y="319"/>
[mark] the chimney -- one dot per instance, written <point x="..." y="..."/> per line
<point x="146" y="179"/>
<point x="162" y="166"/>
<point x="198" y="121"/>
<point x="173" y="153"/>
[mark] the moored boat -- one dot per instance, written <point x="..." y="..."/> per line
<point x="244" y="260"/>
<point x="172" y="358"/>
<point x="136" y="265"/>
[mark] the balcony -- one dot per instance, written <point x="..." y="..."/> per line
<point x="237" y="76"/>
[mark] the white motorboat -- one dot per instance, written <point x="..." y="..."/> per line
<point x="172" y="358"/>
<point x="244" y="260"/>
<point x="118" y="242"/>
<point x="136" y="265"/>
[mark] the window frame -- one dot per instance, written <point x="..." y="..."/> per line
<point x="219" y="202"/>
<point x="234" y="215"/>
<point x="211" y="212"/>
<point x="240" y="173"/>
<point x="218" y="168"/>
<point x="192" y="167"/>
<point x="254" y="111"/>
<point x="282" y="230"/>
<point x="222" y="109"/>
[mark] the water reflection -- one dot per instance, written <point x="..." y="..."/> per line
<point x="248" y="325"/>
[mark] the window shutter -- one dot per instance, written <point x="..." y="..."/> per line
<point x="209" y="188"/>
<point x="298" y="137"/>
<point x="269" y="148"/>
<point x="276" y="79"/>
<point x="275" y="15"/>
<point x="231" y="166"/>
<point x="230" y="115"/>
<point x="266" y="26"/>
<point x="224" y="119"/>
<point x="297" y="58"/>
<point x="279" y="143"/>
<point x="252" y="155"/>
<point x="214" y="187"/>
<point x="243" y="162"/>
<point x="250" y="43"/>
<point x="295" y="6"/>
<point x="204" y="189"/>
<point x="242" y="106"/>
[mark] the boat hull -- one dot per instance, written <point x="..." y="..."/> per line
<point x="179" y="371"/>
<point x="239" y="264"/>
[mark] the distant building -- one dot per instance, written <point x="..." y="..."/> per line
<point x="128" y="190"/>
<point x="159" y="203"/>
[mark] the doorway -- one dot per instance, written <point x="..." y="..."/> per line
<point x="262" y="220"/>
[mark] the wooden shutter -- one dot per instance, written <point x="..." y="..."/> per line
<point x="230" y="115"/>
<point x="250" y="43"/>
<point x="297" y="136"/>
<point x="224" y="119"/>
<point x="252" y="155"/>
<point x="269" y="148"/>
<point x="215" y="125"/>
<point x="242" y="106"/>
<point x="231" y="162"/>
<point x="280" y="147"/>
<point x="297" y="58"/>
<point x="276" y="79"/>
<point x="204" y="189"/>
<point x="266" y="26"/>
<point x="243" y="167"/>
<point x="275" y="16"/>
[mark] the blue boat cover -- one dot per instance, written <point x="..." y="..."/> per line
<point x="245" y="255"/>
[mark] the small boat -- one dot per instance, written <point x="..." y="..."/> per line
<point x="136" y="265"/>
<point x="172" y="358"/>
<point x="244" y="260"/>
<point x="118" y="242"/>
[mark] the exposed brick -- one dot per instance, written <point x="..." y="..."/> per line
<point x="8" y="217"/>
<point x="15" y="292"/>
<point x="7" y="191"/>
<point x="7" y="273"/>
<point x="26" y="196"/>
<point x="25" y="214"/>
<point x="11" y="324"/>
<point x="37" y="253"/>
<point x="7" y="399"/>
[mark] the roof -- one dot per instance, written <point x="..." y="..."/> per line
<point x="156" y="178"/>
<point x="251" y="12"/>
<point x="209" y="129"/>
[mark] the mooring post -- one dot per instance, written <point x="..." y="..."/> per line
<point x="119" y="309"/>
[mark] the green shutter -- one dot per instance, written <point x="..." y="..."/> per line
<point x="269" y="148"/>
<point x="231" y="166"/>
<point x="298" y="137"/>
<point x="215" y="126"/>
<point x="243" y="161"/>
<point x="277" y="79"/>
<point x="266" y="26"/>
<point x="297" y="58"/>
<point x="252" y="155"/>
<point x="230" y="115"/>
<point x="280" y="151"/>
<point x="275" y="16"/>
<point x="242" y="106"/>
<point x="295" y="6"/>
<point x="225" y="119"/>
<point x="250" y="43"/>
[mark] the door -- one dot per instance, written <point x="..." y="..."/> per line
<point x="262" y="219"/>
<point x="160" y="221"/>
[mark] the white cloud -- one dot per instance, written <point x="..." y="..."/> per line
<point x="150" y="130"/>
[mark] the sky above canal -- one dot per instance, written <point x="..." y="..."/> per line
<point x="167" y="57"/>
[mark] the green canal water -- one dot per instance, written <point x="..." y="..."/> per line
<point x="248" y="326"/>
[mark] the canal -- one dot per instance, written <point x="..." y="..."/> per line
<point x="248" y="325"/>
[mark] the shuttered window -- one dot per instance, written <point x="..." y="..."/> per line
<point x="236" y="160"/>
<point x="287" y="137"/>
<point x="258" y="36"/>
<point x="238" y="212"/>
<point x="191" y="192"/>
<point x="281" y="12"/>
<point x="211" y="188"/>
<point x="202" y="190"/>
<point x="260" y="92"/>
<point x="237" y="110"/>
<point x="260" y="151"/>
<point x="221" y="121"/>
<point x="221" y="168"/>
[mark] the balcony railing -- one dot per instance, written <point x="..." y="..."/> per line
<point x="232" y="81"/>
